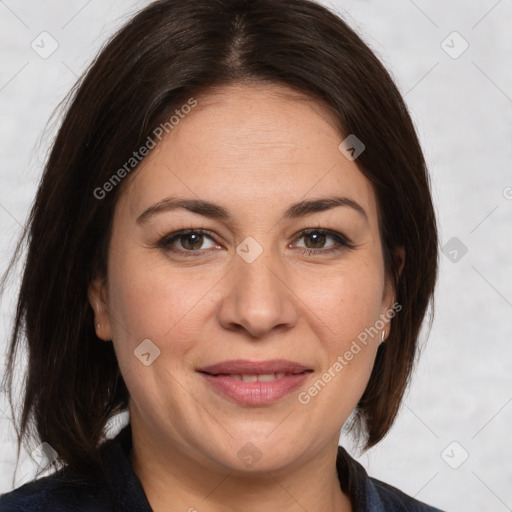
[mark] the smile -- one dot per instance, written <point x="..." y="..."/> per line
<point x="251" y="389"/>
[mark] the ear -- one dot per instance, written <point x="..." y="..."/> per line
<point x="389" y="296"/>
<point x="97" y="294"/>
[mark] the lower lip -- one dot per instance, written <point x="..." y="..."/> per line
<point x="255" y="393"/>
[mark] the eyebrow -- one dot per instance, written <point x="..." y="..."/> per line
<point x="215" y="211"/>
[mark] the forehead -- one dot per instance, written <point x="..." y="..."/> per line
<point x="260" y="146"/>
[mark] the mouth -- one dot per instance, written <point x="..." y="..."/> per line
<point x="262" y="377"/>
<point x="247" y="367"/>
<point x="255" y="382"/>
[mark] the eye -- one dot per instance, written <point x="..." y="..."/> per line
<point x="190" y="240"/>
<point x="316" y="240"/>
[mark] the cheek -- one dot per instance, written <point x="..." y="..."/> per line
<point x="150" y="302"/>
<point x="154" y="301"/>
<point x="344" y="310"/>
<point x="346" y="303"/>
<point x="344" y="316"/>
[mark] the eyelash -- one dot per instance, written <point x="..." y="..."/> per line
<point x="341" y="242"/>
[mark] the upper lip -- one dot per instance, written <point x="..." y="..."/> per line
<point x="245" y="366"/>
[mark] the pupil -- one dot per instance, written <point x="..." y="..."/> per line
<point x="193" y="244"/>
<point x="319" y="238"/>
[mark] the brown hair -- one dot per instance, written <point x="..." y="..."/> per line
<point x="170" y="51"/>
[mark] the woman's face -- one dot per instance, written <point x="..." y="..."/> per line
<point x="251" y="286"/>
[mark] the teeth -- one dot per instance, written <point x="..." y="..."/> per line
<point x="265" y="377"/>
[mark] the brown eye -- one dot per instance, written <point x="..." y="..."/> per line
<point x="315" y="242"/>
<point x="187" y="242"/>
<point x="318" y="239"/>
<point x="192" y="241"/>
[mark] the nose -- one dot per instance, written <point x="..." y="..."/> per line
<point x="258" y="298"/>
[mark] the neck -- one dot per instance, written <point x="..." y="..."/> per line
<point x="173" y="481"/>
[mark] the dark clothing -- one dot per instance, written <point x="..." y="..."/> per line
<point x="121" y="490"/>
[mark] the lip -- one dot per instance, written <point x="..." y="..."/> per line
<point x="221" y="377"/>
<point x="239" y="366"/>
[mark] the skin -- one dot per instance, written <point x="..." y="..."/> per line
<point x="253" y="149"/>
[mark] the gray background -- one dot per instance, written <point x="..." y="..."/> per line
<point x="459" y="403"/>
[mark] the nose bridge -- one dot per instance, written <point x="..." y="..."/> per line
<point x="258" y="298"/>
<point x="260" y="278"/>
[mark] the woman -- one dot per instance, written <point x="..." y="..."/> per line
<point x="233" y="240"/>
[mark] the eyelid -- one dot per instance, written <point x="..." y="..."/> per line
<point x="336" y="235"/>
<point x="341" y="242"/>
<point x="165" y="241"/>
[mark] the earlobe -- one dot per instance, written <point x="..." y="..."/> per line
<point x="98" y="300"/>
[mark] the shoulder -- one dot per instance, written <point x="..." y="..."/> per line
<point x="394" y="499"/>
<point x="111" y="485"/>
<point x="58" y="492"/>
<point x="371" y="494"/>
